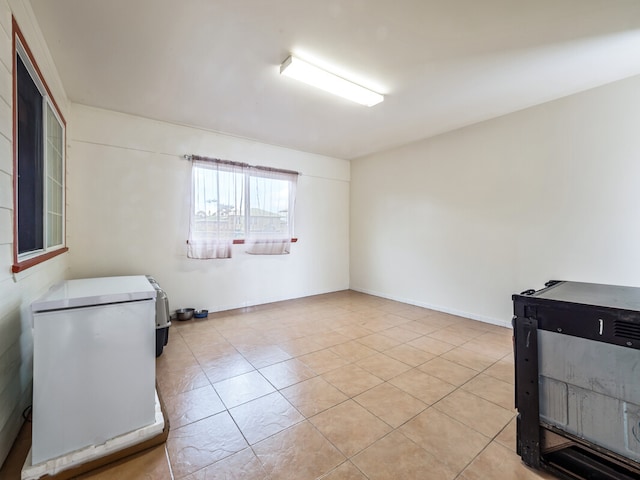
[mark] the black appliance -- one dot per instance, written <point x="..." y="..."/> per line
<point x="577" y="392"/>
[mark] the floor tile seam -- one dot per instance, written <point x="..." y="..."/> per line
<point x="397" y="430"/>
<point x="312" y="426"/>
<point x="426" y="407"/>
<point x="348" y="460"/>
<point x="348" y="457"/>
<point x="483" y="353"/>
<point x="243" y="403"/>
<point x="486" y="399"/>
<point x="461" y="471"/>
<point x="249" y="444"/>
<point x="471" y="426"/>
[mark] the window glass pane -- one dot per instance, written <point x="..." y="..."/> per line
<point x="218" y="203"/>
<point x="54" y="179"/>
<point x="30" y="162"/>
<point x="269" y="201"/>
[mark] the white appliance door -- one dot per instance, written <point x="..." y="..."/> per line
<point x="94" y="375"/>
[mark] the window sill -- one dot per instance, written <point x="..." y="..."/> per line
<point x="31" y="262"/>
<point x="241" y="241"/>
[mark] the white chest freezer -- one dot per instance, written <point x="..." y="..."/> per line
<point x="94" y="363"/>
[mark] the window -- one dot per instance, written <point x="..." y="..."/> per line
<point x="39" y="139"/>
<point x="237" y="203"/>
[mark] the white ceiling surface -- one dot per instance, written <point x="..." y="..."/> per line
<point x="442" y="64"/>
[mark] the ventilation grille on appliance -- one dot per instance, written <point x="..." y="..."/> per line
<point x="628" y="330"/>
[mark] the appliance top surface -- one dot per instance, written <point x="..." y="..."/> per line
<point x="95" y="291"/>
<point x="611" y="296"/>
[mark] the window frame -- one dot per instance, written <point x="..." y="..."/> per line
<point x="249" y="172"/>
<point x="29" y="259"/>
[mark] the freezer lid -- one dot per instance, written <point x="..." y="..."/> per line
<point x="94" y="291"/>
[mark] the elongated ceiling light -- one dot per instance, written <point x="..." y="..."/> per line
<point x="305" y="72"/>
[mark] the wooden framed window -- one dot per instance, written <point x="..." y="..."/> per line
<point x="39" y="163"/>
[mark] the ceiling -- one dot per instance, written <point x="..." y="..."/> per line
<point x="442" y="64"/>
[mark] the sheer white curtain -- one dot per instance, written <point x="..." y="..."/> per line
<point x="217" y="208"/>
<point x="270" y="204"/>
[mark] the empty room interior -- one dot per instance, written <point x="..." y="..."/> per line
<point x="355" y="267"/>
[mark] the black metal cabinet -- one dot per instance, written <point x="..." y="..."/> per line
<point x="577" y="371"/>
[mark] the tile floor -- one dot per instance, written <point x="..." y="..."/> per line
<point x="337" y="386"/>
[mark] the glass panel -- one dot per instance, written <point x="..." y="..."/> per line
<point x="269" y="202"/>
<point x="55" y="180"/>
<point x="31" y="170"/>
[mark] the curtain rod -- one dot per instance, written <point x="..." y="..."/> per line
<point x="238" y="164"/>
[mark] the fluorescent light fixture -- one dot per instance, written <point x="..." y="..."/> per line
<point x="305" y="72"/>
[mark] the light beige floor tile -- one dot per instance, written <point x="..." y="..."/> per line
<point x="299" y="452"/>
<point x="299" y="346"/>
<point x="508" y="436"/>
<point x="424" y="387"/>
<point x="469" y="358"/>
<point x="491" y="350"/>
<point x="401" y="334"/>
<point x="353" y="331"/>
<point x="313" y="396"/>
<point x="176" y="355"/>
<point x="243" y="465"/>
<point x="423" y="327"/>
<point x="475" y="412"/>
<point x="193" y="405"/>
<point x="502" y="336"/>
<point x="243" y="388"/>
<point x="210" y="355"/>
<point x="390" y="404"/>
<point x="226" y="367"/>
<point x="351" y="379"/>
<point x="431" y="345"/>
<point x="263" y="356"/>
<point x="178" y="381"/>
<point x="346" y="471"/>
<point x="502" y="370"/>
<point x="323" y="361"/>
<point x="412" y="356"/>
<point x="330" y="339"/>
<point x="379" y="342"/>
<point x="449" y="441"/>
<point x="284" y="374"/>
<point x="396" y="457"/>
<point x="151" y="465"/>
<point x="450" y="336"/>
<point x="501" y="463"/>
<point x="448" y="371"/>
<point x="350" y="427"/>
<point x="265" y="416"/>
<point x="353" y="351"/>
<point x="202" y="443"/>
<point x="383" y="366"/>
<point x="490" y="388"/>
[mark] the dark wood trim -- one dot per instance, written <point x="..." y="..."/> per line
<point x="14" y="143"/>
<point x="20" y="266"/>
<point x="18" y="32"/>
<point x="242" y="242"/>
<point x="17" y="265"/>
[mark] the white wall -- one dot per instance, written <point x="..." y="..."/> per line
<point x="129" y="202"/>
<point x="461" y="221"/>
<point x="17" y="291"/>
